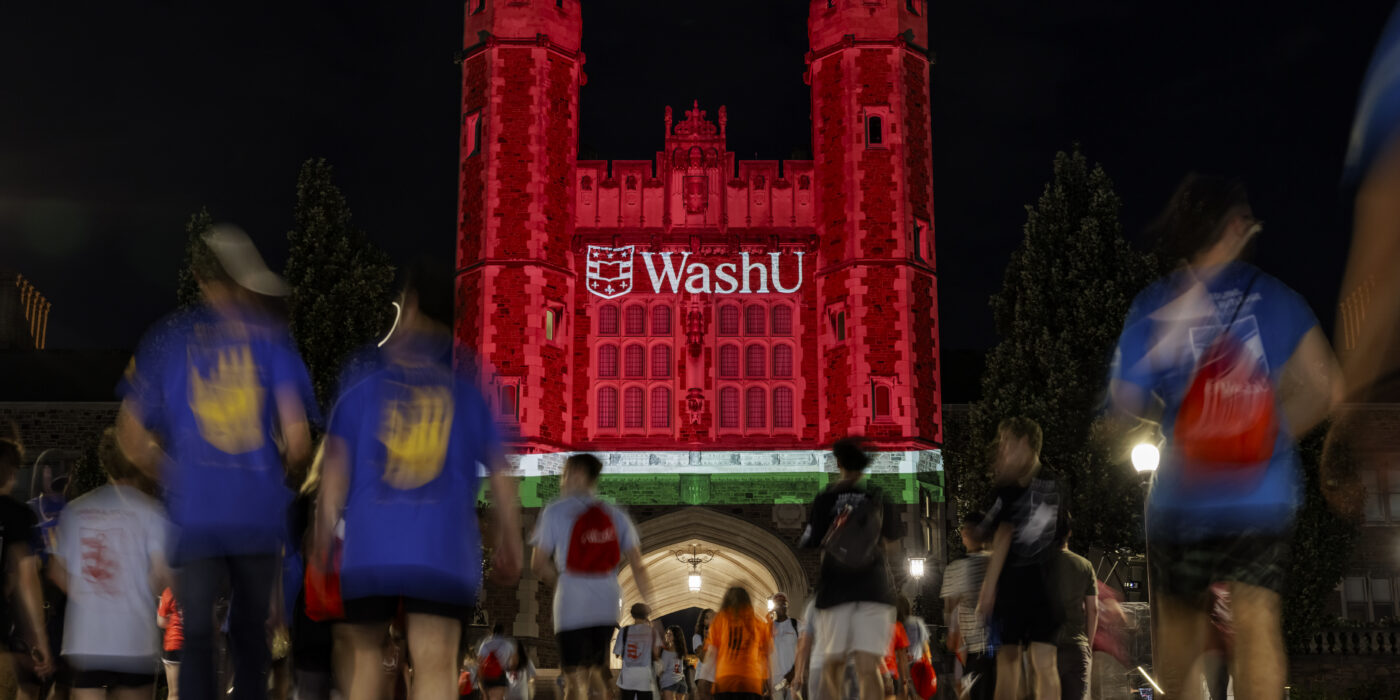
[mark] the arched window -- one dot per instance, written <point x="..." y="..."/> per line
<point x="782" y="407"/>
<point x="509" y="401"/>
<point x="729" y="361"/>
<point x="660" y="320"/>
<point x="755" y="320"/>
<point x="755" y="405"/>
<point x="607" y="361"/>
<point x="661" y="361"/>
<point x="882" y="402"/>
<point x="549" y="324"/>
<point x="874" y="131"/>
<point x="729" y="407"/>
<point x="607" y="320"/>
<point x="754" y="359"/>
<point x="782" y="320"/>
<point x="633" y="412"/>
<point x="607" y="407"/>
<point x="636" y="320"/>
<point x="660" y="407"/>
<point x="782" y="361"/>
<point x="634" y="361"/>
<point x="729" y="320"/>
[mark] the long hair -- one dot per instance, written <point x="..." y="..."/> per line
<point x="1194" y="218"/>
<point x="702" y="628"/>
<point x="677" y="640"/>
<point x="736" y="599"/>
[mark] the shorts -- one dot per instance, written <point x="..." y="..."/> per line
<point x="584" y="648"/>
<point x="502" y="682"/>
<point x="111" y="679"/>
<point x="679" y="688"/>
<point x="170" y="656"/>
<point x="377" y="609"/>
<point x="626" y="694"/>
<point x="1023" y="613"/>
<point x="862" y="626"/>
<point x="1187" y="570"/>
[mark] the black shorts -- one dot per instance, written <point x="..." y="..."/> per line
<point x="1186" y="571"/>
<point x="501" y="682"/>
<point x="626" y="694"/>
<point x="111" y="679"/>
<point x="584" y="648"/>
<point x="1023" y="613"/>
<point x="378" y="609"/>
<point x="171" y="656"/>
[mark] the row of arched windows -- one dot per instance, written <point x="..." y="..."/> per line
<point x="755" y="361"/>
<point x="636" y="414"/>
<point x="635" y="320"/>
<point x="755" y="407"/>
<point x="756" y="320"/>
<point x="633" y="363"/>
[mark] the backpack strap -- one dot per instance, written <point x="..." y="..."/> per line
<point x="793" y="620"/>
<point x="1243" y="298"/>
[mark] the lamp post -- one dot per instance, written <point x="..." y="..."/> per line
<point x="916" y="567"/>
<point x="694" y="558"/>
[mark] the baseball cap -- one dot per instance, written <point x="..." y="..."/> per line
<point x="242" y="263"/>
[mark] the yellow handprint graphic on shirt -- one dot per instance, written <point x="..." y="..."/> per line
<point x="228" y="404"/>
<point x="415" y="434"/>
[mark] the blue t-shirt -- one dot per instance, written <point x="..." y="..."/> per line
<point x="207" y="385"/>
<point x="418" y="434"/>
<point x="1165" y="334"/>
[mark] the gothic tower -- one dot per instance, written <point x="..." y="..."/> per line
<point x="869" y="73"/>
<point x="521" y="72"/>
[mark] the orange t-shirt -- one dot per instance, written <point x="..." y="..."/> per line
<point x="900" y="640"/>
<point x="174" y="630"/>
<point x="741" y="642"/>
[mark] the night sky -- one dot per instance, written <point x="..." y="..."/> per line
<point x="117" y="120"/>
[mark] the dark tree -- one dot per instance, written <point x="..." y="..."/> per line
<point x="1061" y="307"/>
<point x="1322" y="545"/>
<point x="187" y="291"/>
<point x="340" y="281"/>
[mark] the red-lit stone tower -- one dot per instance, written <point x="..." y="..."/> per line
<point x="871" y="136"/>
<point x="521" y="71"/>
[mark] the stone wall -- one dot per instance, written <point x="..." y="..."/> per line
<point x="1344" y="676"/>
<point x="60" y="425"/>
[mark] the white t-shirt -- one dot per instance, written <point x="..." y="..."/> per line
<point x="814" y="665"/>
<point x="784" y="653"/>
<point x="107" y="541"/>
<point x="581" y="601"/>
<point x="672" y="669"/>
<point x="636" y="645"/>
<point x="502" y="647"/>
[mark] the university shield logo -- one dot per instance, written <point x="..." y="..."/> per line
<point x="609" y="272"/>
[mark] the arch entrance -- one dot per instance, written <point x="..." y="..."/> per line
<point x="745" y="554"/>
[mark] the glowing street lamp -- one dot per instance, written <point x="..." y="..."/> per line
<point x="1146" y="457"/>
<point x="771" y="605"/>
<point x="694" y="558"/>
<point x="693" y="581"/>
<point x="916" y="567"/>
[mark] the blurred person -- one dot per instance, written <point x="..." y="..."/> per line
<point x="216" y="403"/>
<point x="741" y="643"/>
<point x="672" y="679"/>
<point x="401" y="469"/>
<point x="312" y="645"/>
<point x="702" y="630"/>
<point x="1237" y="369"/>
<point x="1078" y="589"/>
<point x="22" y="592"/>
<point x="1017" y="599"/>
<point x="497" y="656"/>
<point x="466" y="679"/>
<point x="522" y="674"/>
<point x="110" y="560"/>
<point x="896" y="672"/>
<point x="639" y="646"/>
<point x="921" y="674"/>
<point x="580" y="542"/>
<point x="852" y="521"/>
<point x="967" y="632"/>
<point x="168" y="619"/>
<point x="807" y="676"/>
<point x="783" y="664"/>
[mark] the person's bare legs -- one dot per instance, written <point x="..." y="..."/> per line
<point x="598" y="684"/>
<point x="833" y="677"/>
<point x="576" y="684"/>
<point x="1008" y="662"/>
<point x="868" y="676"/>
<point x="172" y="680"/>
<point x="495" y="693"/>
<point x="432" y="644"/>
<point x="1044" y="664"/>
<point x="1178" y="641"/>
<point x="360" y="671"/>
<point x="1259" y="663"/>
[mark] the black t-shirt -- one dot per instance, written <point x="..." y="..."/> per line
<point x="1036" y="512"/>
<point x="17" y="523"/>
<point x="838" y="584"/>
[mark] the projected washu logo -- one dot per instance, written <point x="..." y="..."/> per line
<point x="228" y="403"/>
<point x="415" y="433"/>
<point x="609" y="273"/>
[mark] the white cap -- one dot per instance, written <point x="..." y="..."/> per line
<point x="242" y="262"/>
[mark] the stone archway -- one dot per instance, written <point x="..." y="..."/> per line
<point x="746" y="554"/>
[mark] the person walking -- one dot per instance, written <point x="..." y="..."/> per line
<point x="579" y="545"/>
<point x="741" y="643"/>
<point x="672" y="679"/>
<point x="20" y="564"/>
<point x="522" y="675"/>
<point x="402" y="454"/>
<point x="110" y="551"/>
<point x="639" y="646"/>
<point x="497" y="657"/>
<point x="1016" y="596"/>
<point x="807" y="676"/>
<point x="1078" y="589"/>
<point x="967" y="632"/>
<point x="1236" y="369"/>
<point x="168" y="619"/>
<point x="783" y="664"/>
<point x="216" y="404"/>
<point x="851" y="521"/>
